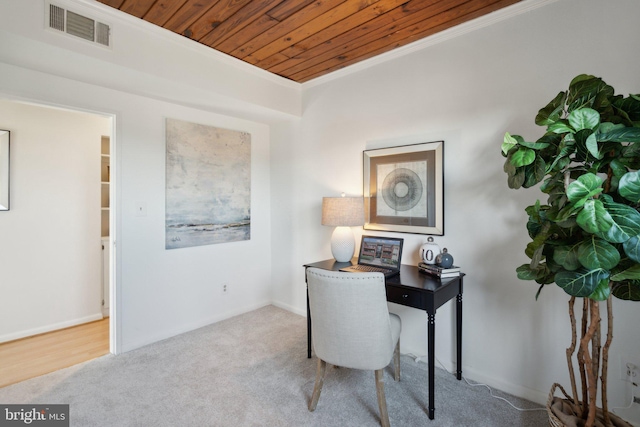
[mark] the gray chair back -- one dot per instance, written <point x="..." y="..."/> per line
<point x="350" y="320"/>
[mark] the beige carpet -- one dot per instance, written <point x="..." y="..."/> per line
<point x="252" y="370"/>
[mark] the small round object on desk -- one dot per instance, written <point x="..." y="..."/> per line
<point x="444" y="260"/>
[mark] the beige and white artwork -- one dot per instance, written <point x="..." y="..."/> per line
<point x="208" y="185"/>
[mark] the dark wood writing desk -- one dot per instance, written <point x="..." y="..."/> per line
<point x="418" y="290"/>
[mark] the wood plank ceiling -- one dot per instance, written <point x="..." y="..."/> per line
<point x="304" y="39"/>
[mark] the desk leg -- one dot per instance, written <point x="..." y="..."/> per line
<point x="308" y="328"/>
<point x="459" y="336"/>
<point x="431" y="327"/>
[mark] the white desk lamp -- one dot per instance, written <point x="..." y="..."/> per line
<point x="343" y="213"/>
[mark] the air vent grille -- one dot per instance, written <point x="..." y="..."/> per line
<point x="78" y="25"/>
<point x="56" y="17"/>
<point x="102" y="33"/>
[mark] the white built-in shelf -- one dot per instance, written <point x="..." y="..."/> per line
<point x="105" y="183"/>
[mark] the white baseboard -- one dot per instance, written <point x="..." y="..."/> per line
<point x="507" y="387"/>
<point x="49" y="328"/>
<point x="289" y="308"/>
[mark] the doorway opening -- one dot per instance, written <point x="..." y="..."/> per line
<point x="57" y="249"/>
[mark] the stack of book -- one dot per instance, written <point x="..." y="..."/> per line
<point x="435" y="270"/>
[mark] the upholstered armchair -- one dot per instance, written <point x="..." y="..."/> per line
<point x="351" y="327"/>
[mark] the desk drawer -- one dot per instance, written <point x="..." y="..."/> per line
<point x="406" y="297"/>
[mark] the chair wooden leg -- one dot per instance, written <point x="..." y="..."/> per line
<point x="382" y="401"/>
<point x="396" y="362"/>
<point x="322" y="367"/>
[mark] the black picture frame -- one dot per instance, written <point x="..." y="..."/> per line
<point x="404" y="188"/>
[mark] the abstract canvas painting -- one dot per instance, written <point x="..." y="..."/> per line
<point x="208" y="185"/>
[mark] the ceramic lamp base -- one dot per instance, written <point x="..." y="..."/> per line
<point x="343" y="244"/>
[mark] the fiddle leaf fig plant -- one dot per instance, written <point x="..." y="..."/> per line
<point x="586" y="237"/>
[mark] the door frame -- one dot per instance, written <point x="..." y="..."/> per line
<point x="115" y="341"/>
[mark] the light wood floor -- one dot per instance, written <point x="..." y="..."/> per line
<point x="38" y="355"/>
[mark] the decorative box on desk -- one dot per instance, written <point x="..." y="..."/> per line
<point x="415" y="289"/>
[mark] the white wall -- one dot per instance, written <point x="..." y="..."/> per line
<point x="50" y="254"/>
<point x="161" y="293"/>
<point x="158" y="293"/>
<point x="466" y="91"/>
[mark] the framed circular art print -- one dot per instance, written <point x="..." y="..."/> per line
<point x="403" y="188"/>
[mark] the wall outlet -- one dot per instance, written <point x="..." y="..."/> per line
<point x="631" y="373"/>
<point x="224" y="288"/>
<point x="630" y="370"/>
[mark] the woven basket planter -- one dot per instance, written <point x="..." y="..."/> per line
<point x="553" y="404"/>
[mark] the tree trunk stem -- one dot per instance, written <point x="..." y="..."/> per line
<point x="570" y="351"/>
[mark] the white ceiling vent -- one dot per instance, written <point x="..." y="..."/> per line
<point x="77" y="25"/>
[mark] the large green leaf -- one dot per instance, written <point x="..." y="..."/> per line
<point x="629" y="151"/>
<point x="624" y="134"/>
<point x="552" y="140"/>
<point x="602" y="291"/>
<point x="516" y="179"/>
<point x="584" y="118"/>
<point x="595" y="253"/>
<point x="522" y="156"/>
<point x="535" y="211"/>
<point x="560" y="163"/>
<point x="561" y="126"/>
<point x="534" y="173"/>
<point x="551" y="113"/>
<point x="592" y="146"/>
<point x="588" y="91"/>
<point x="606" y="127"/>
<point x="587" y="185"/>
<point x="535" y="247"/>
<point x="553" y="184"/>
<point x="631" y="273"/>
<point x="587" y="145"/>
<point x="629" y="186"/>
<point x="632" y="248"/>
<point x="563" y="214"/>
<point x="525" y="272"/>
<point x="580" y="283"/>
<point x="509" y="143"/>
<point x="535" y="145"/>
<point x="630" y="106"/>
<point x="515" y="176"/>
<point x="567" y="257"/>
<point x="626" y="221"/>
<point x="593" y="217"/>
<point x="617" y="168"/>
<point x="565" y="149"/>
<point x="629" y="290"/>
<point x="509" y="168"/>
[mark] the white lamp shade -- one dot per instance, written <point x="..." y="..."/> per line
<point x="343" y="213"/>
